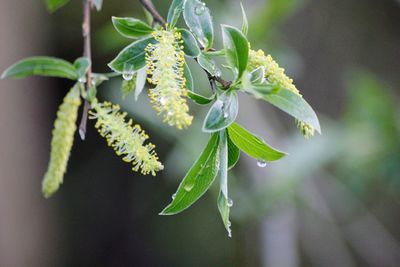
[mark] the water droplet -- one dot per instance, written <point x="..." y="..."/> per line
<point x="162" y="100"/>
<point x="219" y="104"/>
<point x="199" y="9"/>
<point x="188" y="187"/>
<point x="128" y="72"/>
<point x="127" y="76"/>
<point x="230" y="202"/>
<point x="173" y="196"/>
<point x="82" y="79"/>
<point x="261" y="163"/>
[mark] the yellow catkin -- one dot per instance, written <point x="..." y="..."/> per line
<point x="61" y="143"/>
<point x="126" y="139"/>
<point x="276" y="76"/>
<point x="165" y="62"/>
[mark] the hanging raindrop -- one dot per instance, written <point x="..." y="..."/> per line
<point x="261" y="163"/>
<point x="199" y="9"/>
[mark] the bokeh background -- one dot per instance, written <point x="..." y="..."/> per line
<point x="334" y="201"/>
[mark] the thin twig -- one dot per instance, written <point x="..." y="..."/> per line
<point x="149" y="6"/>
<point x="87" y="52"/>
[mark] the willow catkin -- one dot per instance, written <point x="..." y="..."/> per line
<point x="165" y="62"/>
<point x="61" y="143"/>
<point x="127" y="139"/>
<point x="277" y="76"/>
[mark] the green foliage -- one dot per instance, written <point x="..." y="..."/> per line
<point x="132" y="57"/>
<point x="198" y="18"/>
<point x="53" y="5"/>
<point x="252" y="145"/>
<point x="222" y="113"/>
<point x="131" y="27"/>
<point x="42" y="66"/>
<point x="198" y="179"/>
<point x="237" y="49"/>
<point x="159" y="56"/>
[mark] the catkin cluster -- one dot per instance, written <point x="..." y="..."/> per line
<point x="61" y="143"/>
<point x="165" y="62"/>
<point x="126" y="139"/>
<point x="276" y="76"/>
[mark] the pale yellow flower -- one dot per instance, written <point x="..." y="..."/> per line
<point x="126" y="139"/>
<point x="61" y="143"/>
<point x="276" y="76"/>
<point x="165" y="62"/>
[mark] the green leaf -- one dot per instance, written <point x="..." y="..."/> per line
<point x="222" y="113"/>
<point x="252" y="145"/>
<point x="295" y="105"/>
<point x="237" y="49"/>
<point x="198" y="179"/>
<point x="198" y="19"/>
<point x="207" y="63"/>
<point x="224" y="203"/>
<point x="131" y="27"/>
<point x="53" y="5"/>
<point x="245" y="23"/>
<point x="174" y="12"/>
<point x="233" y="153"/>
<point x="140" y="81"/>
<point x="98" y="4"/>
<point x="41" y="66"/>
<point x="199" y="99"/>
<point x="188" y="76"/>
<point x="191" y="48"/>
<point x="82" y="65"/>
<point x="132" y="57"/>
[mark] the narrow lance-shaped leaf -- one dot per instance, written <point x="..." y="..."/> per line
<point x="198" y="179"/>
<point x="140" y="81"/>
<point x="41" y="66"/>
<point x="222" y="113"/>
<point x="233" y="153"/>
<point x="132" y="57"/>
<point x="207" y="63"/>
<point x="53" y="5"/>
<point x="188" y="77"/>
<point x="245" y="23"/>
<point x="82" y="65"/>
<point x="198" y="18"/>
<point x="174" y="12"/>
<point x="223" y="202"/>
<point x="131" y="27"/>
<point x="199" y="99"/>
<point x="252" y="145"/>
<point x="237" y="49"/>
<point x="190" y="47"/>
<point x="295" y="105"/>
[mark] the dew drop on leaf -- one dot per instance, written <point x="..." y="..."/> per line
<point x="261" y="163"/>
<point x="173" y="196"/>
<point x="230" y="202"/>
<point x="82" y="79"/>
<point x="128" y="72"/>
<point x="188" y="187"/>
<point x="199" y="9"/>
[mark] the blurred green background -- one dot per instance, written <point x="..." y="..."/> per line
<point x="334" y="201"/>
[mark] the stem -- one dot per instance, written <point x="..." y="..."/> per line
<point x="149" y="6"/>
<point x="87" y="52"/>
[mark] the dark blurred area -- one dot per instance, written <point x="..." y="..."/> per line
<point x="334" y="201"/>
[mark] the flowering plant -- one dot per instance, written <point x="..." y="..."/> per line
<point x="158" y="55"/>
